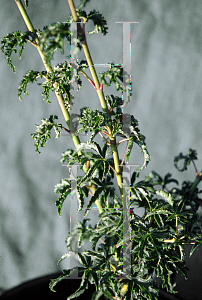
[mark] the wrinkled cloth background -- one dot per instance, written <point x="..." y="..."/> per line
<point x="166" y="56"/>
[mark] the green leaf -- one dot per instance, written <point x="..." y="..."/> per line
<point x="166" y="196"/>
<point x="81" y="233"/>
<point x="58" y="80"/>
<point x="93" y="199"/>
<point x="168" y="180"/>
<point x="51" y="39"/>
<point x="70" y="156"/>
<point x="60" y="74"/>
<point x="154" y="178"/>
<point x="26" y="3"/>
<point x="195" y="246"/>
<point x="134" y="177"/>
<point x="11" y="41"/>
<point x="30" y="76"/>
<point x="106" y="276"/>
<point x="43" y="131"/>
<point x="81" y="289"/>
<point x="64" y="188"/>
<point x="91" y="120"/>
<point x="82" y="193"/>
<point x="88" y="175"/>
<point x="129" y="148"/>
<point x="139" y="139"/>
<point x="187" y="159"/>
<point x="95" y="279"/>
<point x="99" y="22"/>
<point x="115" y="75"/>
<point x="109" y="293"/>
<point x="113" y="101"/>
<point x="87" y="145"/>
<point x="158" y="211"/>
<point x="54" y="282"/>
<point x="70" y="254"/>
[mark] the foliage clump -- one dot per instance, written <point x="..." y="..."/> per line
<point x="155" y="240"/>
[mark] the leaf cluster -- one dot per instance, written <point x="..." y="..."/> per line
<point x="43" y="131"/>
<point x="52" y="37"/>
<point x="11" y="42"/>
<point x="114" y="74"/>
<point x="58" y="80"/>
<point x="157" y="239"/>
<point x="190" y="157"/>
<point x="98" y="20"/>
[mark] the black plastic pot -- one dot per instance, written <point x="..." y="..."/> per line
<point x="39" y="289"/>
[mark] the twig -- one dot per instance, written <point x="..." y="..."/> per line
<point x="106" y="133"/>
<point x="127" y="139"/>
<point x="124" y="156"/>
<point x="33" y="43"/>
<point x="91" y="82"/>
<point x="104" y="138"/>
<point x="195" y="168"/>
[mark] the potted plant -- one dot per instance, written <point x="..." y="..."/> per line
<point x="133" y="255"/>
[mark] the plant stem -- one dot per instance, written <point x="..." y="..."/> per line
<point x="24" y="15"/>
<point x="196" y="182"/>
<point x="89" y="60"/>
<point x="84" y="74"/>
<point x="59" y="97"/>
<point x="176" y="224"/>
<point x="47" y="67"/>
<point x="101" y="97"/>
<point x="116" y="164"/>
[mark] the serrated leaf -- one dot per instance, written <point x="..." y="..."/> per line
<point x="30" y="77"/>
<point x="99" y="22"/>
<point x="129" y="148"/>
<point x="81" y="289"/>
<point x="51" y="39"/>
<point x="106" y="276"/>
<point x="93" y="146"/>
<point x="166" y="196"/>
<point x="115" y="75"/>
<point x="43" y="131"/>
<point x="92" y="121"/>
<point x="195" y="246"/>
<point x="187" y="159"/>
<point x="10" y="42"/>
<point x="54" y="282"/>
<point x="64" y="188"/>
<point x="93" y="199"/>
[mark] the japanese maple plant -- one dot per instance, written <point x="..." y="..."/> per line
<point x="129" y="251"/>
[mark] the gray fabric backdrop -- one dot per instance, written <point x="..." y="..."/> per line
<point x="167" y="71"/>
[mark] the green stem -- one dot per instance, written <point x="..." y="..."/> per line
<point x="176" y="224"/>
<point x="89" y="60"/>
<point x="116" y="164"/>
<point x="101" y="97"/>
<point x="59" y="97"/>
<point x="48" y="69"/>
<point x="30" y="27"/>
<point x="196" y="182"/>
<point x="24" y="15"/>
